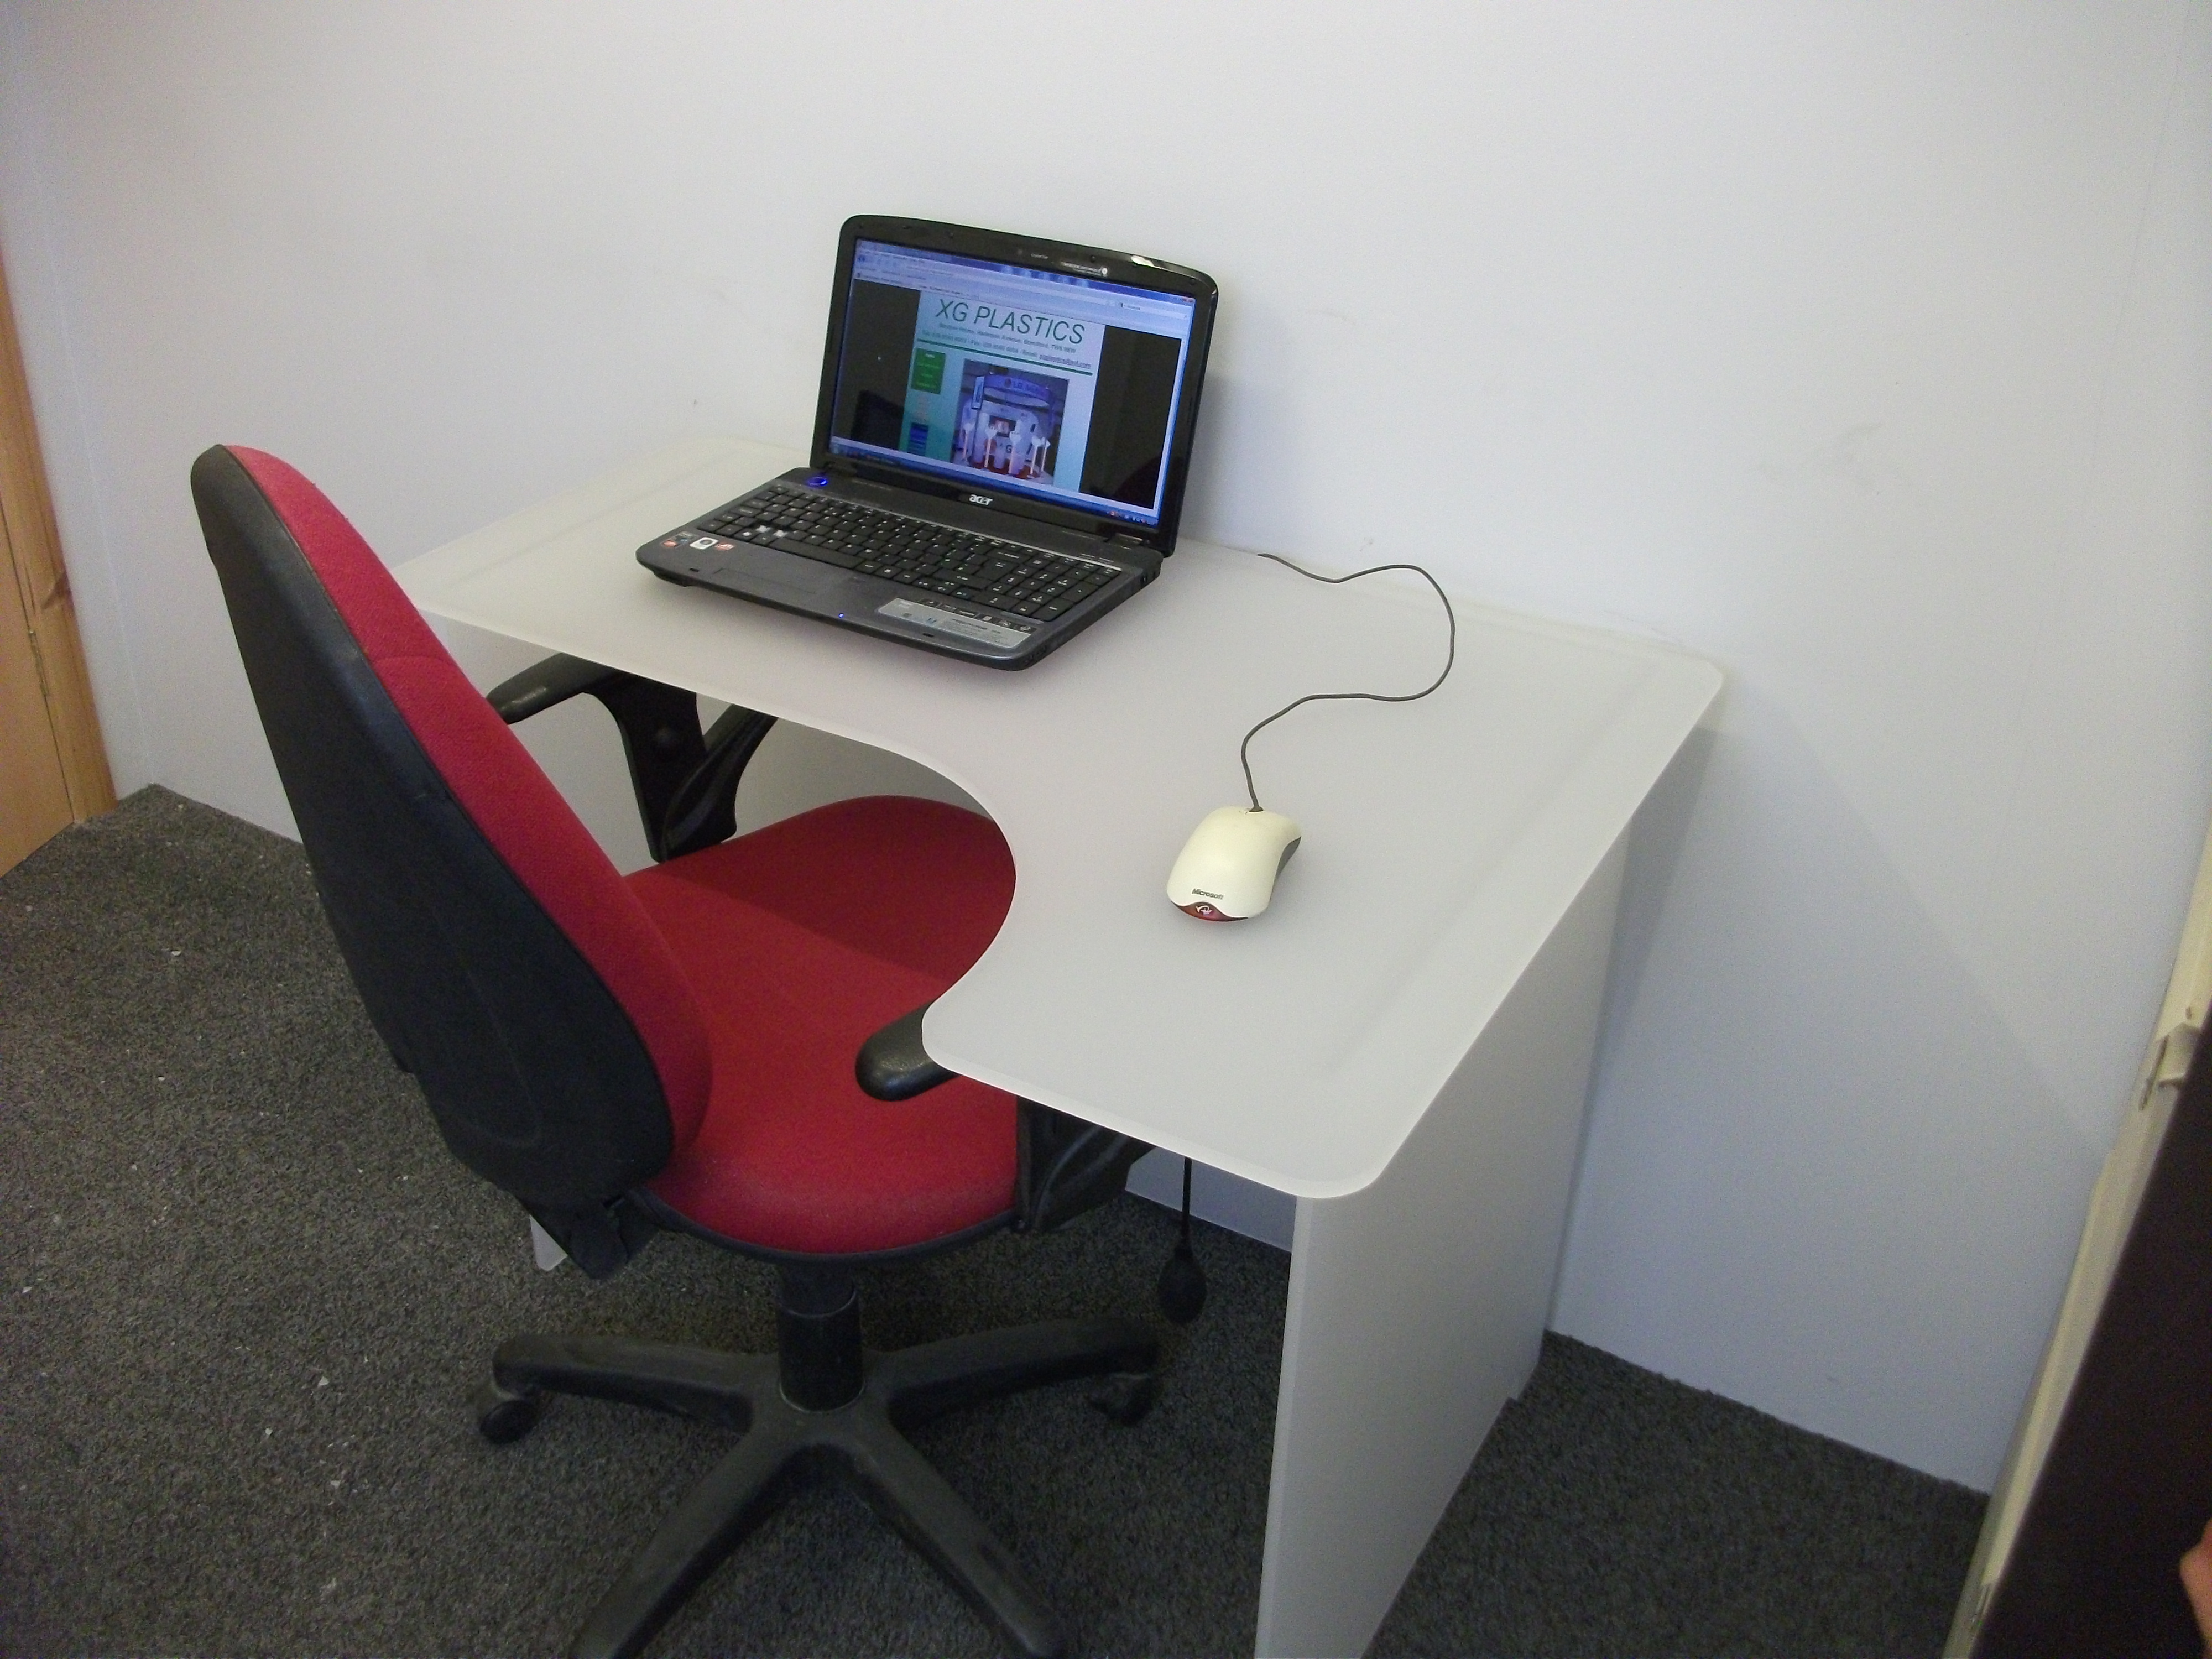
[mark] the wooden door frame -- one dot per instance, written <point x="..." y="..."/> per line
<point x="27" y="520"/>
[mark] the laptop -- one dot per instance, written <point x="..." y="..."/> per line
<point x="1000" y="445"/>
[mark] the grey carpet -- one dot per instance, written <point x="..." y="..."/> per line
<point x="246" y="1293"/>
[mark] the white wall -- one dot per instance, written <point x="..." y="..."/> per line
<point x="1861" y="346"/>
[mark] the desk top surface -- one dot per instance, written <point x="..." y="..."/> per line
<point x="1444" y="839"/>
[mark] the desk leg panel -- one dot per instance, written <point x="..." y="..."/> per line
<point x="1417" y="1305"/>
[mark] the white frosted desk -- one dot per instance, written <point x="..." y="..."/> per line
<point x="1402" y="1041"/>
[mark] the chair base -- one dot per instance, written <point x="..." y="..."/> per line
<point x="859" y="1443"/>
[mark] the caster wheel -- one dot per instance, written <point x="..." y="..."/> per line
<point x="1127" y="1396"/>
<point x="503" y="1418"/>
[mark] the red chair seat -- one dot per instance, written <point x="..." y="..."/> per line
<point x="799" y="941"/>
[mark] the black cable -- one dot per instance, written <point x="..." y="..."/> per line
<point x="1451" y="655"/>
<point x="1183" y="1281"/>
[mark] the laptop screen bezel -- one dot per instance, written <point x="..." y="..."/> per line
<point x="1038" y="254"/>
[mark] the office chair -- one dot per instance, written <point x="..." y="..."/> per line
<point x="726" y="1043"/>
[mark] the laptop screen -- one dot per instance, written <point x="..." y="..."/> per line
<point x="1059" y="387"/>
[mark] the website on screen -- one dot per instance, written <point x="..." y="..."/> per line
<point x="1059" y="387"/>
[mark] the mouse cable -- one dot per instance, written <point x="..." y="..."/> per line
<point x="1451" y="655"/>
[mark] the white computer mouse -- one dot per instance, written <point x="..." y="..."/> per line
<point x="1226" y="871"/>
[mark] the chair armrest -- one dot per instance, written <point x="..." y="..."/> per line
<point x="545" y="684"/>
<point x="892" y="1065"/>
<point x="1065" y="1166"/>
<point x="686" y="784"/>
<point x="702" y="811"/>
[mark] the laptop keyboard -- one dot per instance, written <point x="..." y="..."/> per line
<point x="982" y="570"/>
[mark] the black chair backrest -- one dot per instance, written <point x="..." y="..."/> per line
<point x="501" y="957"/>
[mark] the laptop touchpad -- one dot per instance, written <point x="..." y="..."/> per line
<point x="799" y="577"/>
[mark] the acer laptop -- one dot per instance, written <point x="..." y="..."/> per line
<point x="999" y="450"/>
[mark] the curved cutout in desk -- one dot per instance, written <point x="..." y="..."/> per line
<point x="1444" y="839"/>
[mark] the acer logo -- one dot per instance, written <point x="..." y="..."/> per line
<point x="980" y="500"/>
